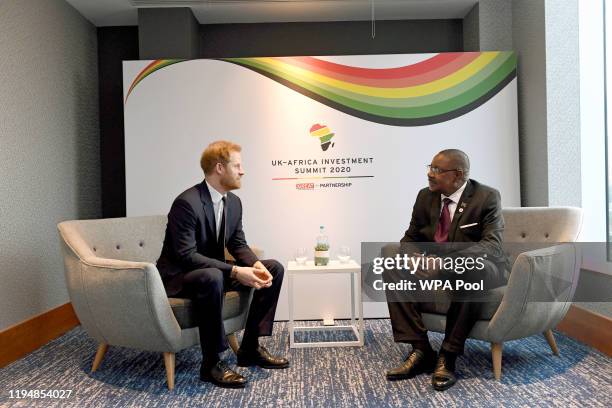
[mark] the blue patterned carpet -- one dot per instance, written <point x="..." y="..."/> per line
<point x="329" y="377"/>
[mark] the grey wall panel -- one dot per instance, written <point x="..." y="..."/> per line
<point x="528" y="39"/>
<point x="168" y="33"/>
<point x="495" y="28"/>
<point x="544" y="33"/>
<point x="488" y="26"/>
<point x="594" y="292"/>
<point x="333" y="38"/>
<point x="471" y="30"/>
<point x="49" y="147"/>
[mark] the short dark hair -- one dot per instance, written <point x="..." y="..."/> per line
<point x="459" y="159"/>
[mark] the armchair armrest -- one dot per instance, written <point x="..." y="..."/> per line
<point x="539" y="292"/>
<point x="123" y="303"/>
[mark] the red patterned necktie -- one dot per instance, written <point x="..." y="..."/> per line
<point x="443" y="227"/>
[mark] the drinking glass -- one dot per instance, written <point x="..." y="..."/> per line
<point x="344" y="254"/>
<point x="300" y="256"/>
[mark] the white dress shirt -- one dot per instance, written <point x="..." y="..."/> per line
<point x="217" y="199"/>
<point x="455" y="197"/>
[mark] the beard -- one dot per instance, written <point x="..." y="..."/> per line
<point x="230" y="183"/>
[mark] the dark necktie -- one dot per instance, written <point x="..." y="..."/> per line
<point x="443" y="227"/>
<point x="221" y="239"/>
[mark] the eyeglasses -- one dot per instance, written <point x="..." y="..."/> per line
<point x="437" y="170"/>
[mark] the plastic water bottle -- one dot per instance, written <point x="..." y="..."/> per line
<point x="322" y="240"/>
<point x="322" y="248"/>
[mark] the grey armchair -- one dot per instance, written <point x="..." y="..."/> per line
<point x="118" y="295"/>
<point x="512" y="312"/>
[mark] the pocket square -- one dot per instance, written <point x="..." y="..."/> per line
<point x="468" y="225"/>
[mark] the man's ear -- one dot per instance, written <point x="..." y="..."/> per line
<point x="219" y="168"/>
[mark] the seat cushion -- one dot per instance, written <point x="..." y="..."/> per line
<point x="493" y="299"/>
<point x="233" y="304"/>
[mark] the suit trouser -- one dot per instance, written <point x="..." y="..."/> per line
<point x="206" y="287"/>
<point x="462" y="315"/>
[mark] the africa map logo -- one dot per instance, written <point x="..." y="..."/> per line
<point x="324" y="134"/>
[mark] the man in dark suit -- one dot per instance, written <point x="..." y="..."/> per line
<point x="203" y="221"/>
<point x="452" y="209"/>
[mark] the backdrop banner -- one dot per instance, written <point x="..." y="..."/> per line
<point x="335" y="141"/>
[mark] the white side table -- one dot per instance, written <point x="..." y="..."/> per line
<point x="352" y="268"/>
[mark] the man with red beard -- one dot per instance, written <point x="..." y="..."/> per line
<point x="202" y="222"/>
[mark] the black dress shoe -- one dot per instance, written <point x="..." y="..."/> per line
<point x="260" y="357"/>
<point x="417" y="362"/>
<point x="221" y="375"/>
<point x="444" y="375"/>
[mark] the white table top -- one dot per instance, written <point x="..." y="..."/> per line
<point x="334" y="266"/>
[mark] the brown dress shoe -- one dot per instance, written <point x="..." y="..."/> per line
<point x="260" y="357"/>
<point x="444" y="375"/>
<point x="221" y="375"/>
<point x="416" y="363"/>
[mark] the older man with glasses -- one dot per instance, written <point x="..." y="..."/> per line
<point x="453" y="208"/>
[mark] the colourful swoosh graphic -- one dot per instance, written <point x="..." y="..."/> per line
<point x="148" y="70"/>
<point x="438" y="89"/>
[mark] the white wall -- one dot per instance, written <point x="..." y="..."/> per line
<point x="592" y="126"/>
<point x="563" y="102"/>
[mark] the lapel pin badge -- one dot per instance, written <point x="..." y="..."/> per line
<point x="461" y="210"/>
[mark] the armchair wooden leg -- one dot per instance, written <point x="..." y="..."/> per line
<point x="169" y="360"/>
<point x="550" y="337"/>
<point x="102" y="347"/>
<point x="233" y="342"/>
<point x="496" y="352"/>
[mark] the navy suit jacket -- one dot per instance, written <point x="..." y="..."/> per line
<point x="191" y="240"/>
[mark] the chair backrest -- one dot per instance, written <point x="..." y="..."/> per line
<point x="531" y="228"/>
<point x="138" y="239"/>
<point x="542" y="224"/>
